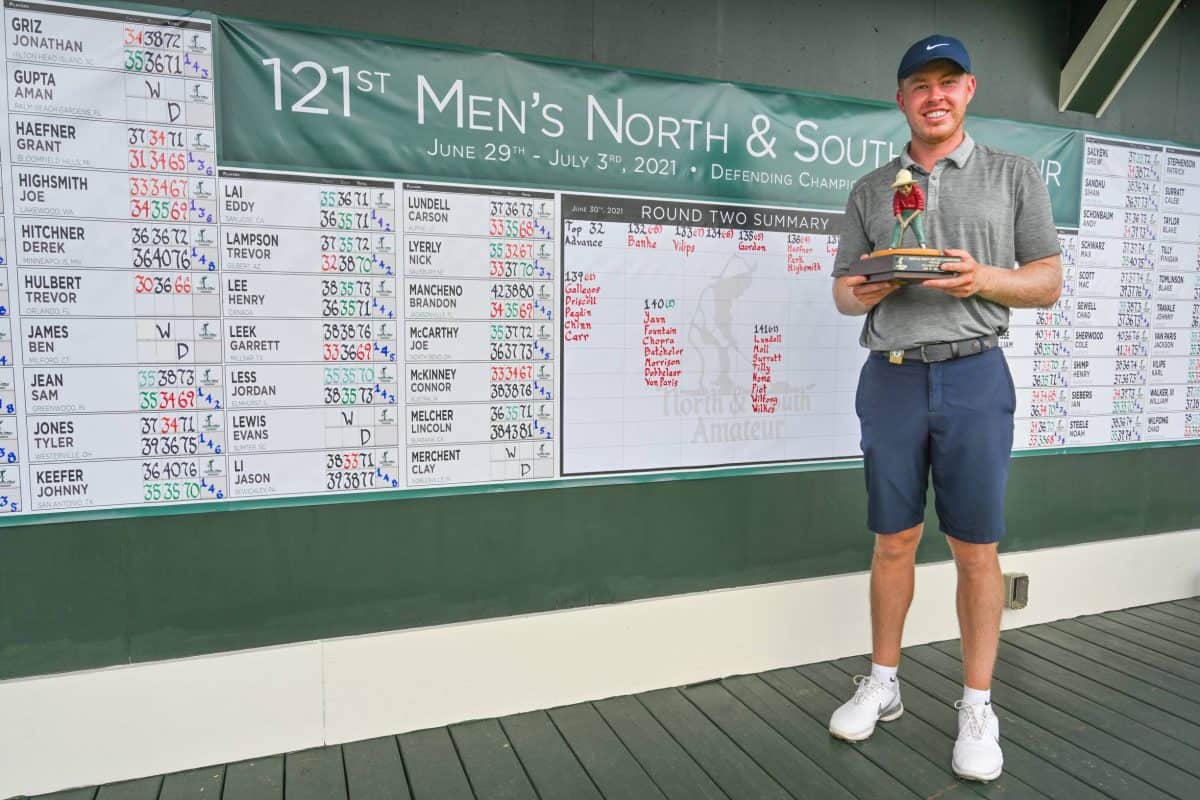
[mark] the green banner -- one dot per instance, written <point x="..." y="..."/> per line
<point x="298" y="99"/>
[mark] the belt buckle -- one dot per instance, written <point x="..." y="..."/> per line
<point x="895" y="356"/>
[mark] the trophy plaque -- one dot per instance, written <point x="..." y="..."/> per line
<point x="904" y="264"/>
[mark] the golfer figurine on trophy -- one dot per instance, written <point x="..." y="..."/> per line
<point x="905" y="263"/>
<point x="908" y="204"/>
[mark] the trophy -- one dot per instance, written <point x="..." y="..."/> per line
<point x="918" y="263"/>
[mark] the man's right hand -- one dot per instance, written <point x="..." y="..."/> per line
<point x="855" y="296"/>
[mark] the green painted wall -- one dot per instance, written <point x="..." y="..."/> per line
<point x="86" y="595"/>
<point x="92" y="594"/>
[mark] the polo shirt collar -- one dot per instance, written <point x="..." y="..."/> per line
<point x="958" y="155"/>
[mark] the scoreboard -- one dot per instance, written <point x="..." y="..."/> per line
<point x="196" y="308"/>
<point x="113" y="318"/>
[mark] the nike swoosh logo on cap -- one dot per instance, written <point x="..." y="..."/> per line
<point x="932" y="46"/>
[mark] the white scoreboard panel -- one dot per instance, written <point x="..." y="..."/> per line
<point x="174" y="330"/>
<point x="700" y="335"/>
<point x="112" y="344"/>
<point x="1117" y="360"/>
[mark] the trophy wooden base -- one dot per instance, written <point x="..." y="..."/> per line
<point x="903" y="264"/>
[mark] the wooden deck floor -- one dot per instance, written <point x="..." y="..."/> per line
<point x="1101" y="706"/>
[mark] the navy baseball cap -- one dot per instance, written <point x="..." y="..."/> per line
<point x="932" y="48"/>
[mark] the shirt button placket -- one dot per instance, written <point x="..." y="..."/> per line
<point x="931" y="196"/>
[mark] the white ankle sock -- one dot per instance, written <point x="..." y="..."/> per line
<point x="883" y="674"/>
<point x="976" y="697"/>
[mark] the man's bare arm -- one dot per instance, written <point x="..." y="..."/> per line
<point x="1036" y="284"/>
<point x="854" y="297"/>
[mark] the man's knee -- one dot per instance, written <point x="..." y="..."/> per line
<point x="974" y="558"/>
<point x="898" y="547"/>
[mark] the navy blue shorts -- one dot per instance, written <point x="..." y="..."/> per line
<point x="954" y="417"/>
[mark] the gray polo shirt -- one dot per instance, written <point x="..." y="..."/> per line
<point x="990" y="203"/>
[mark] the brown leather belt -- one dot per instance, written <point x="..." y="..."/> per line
<point x="943" y="351"/>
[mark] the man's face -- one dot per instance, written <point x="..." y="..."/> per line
<point x="906" y="188"/>
<point x="934" y="100"/>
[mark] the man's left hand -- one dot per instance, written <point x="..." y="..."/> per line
<point x="972" y="277"/>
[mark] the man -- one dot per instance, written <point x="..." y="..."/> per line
<point x="908" y="203"/>
<point x="935" y="391"/>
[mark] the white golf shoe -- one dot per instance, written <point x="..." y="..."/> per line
<point x="977" y="754"/>
<point x="873" y="702"/>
